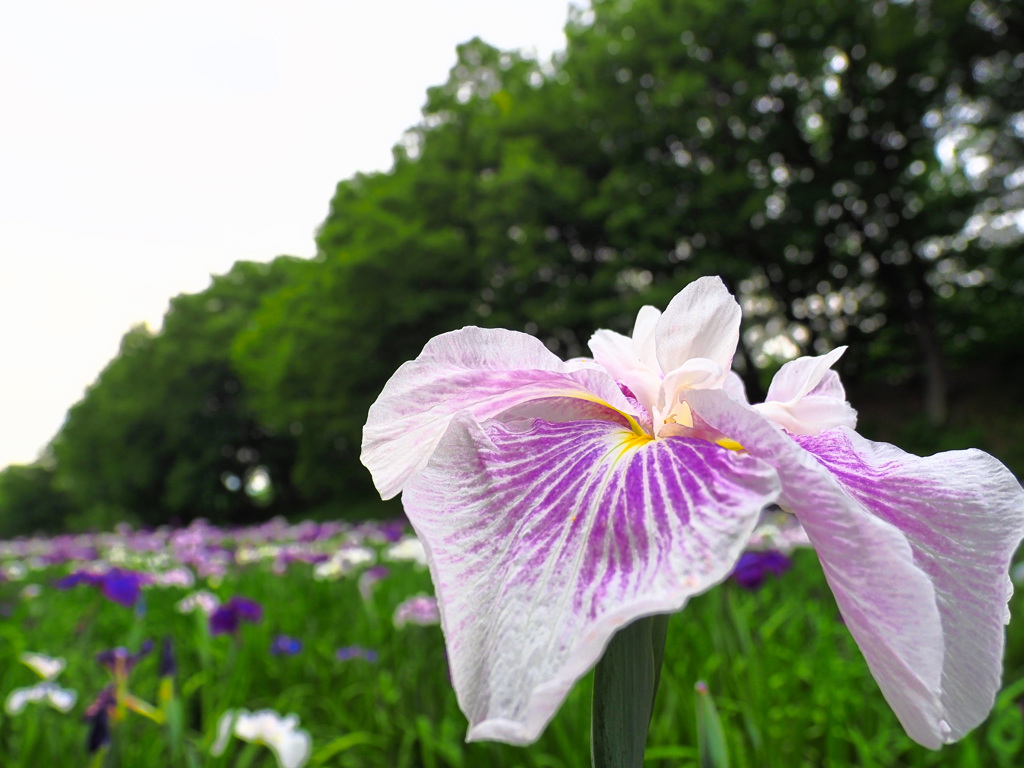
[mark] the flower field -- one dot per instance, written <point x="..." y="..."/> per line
<point x="318" y="644"/>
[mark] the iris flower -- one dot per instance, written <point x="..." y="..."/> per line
<point x="61" y="699"/>
<point x="755" y="565"/>
<point x="356" y="652"/>
<point x="117" y="584"/>
<point x="48" y="668"/>
<point x="419" y="609"/>
<point x="408" y="549"/>
<point x="205" y="601"/>
<point x="559" y="501"/>
<point x="98" y="715"/>
<point x="283" y="645"/>
<point x="120" y="661"/>
<point x="226" y="619"/>
<point x="290" y="744"/>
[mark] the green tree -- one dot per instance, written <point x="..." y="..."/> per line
<point x="166" y="432"/>
<point x="793" y="148"/>
<point x="30" y="502"/>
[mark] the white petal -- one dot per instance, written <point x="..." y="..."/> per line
<point x="696" y="373"/>
<point x="798" y="377"/>
<point x="735" y="388"/>
<point x="702" y="321"/>
<point x="292" y="748"/>
<point x="644" y="338"/>
<point x="19" y="697"/>
<point x="47" y="667"/>
<point x="62" y="699"/>
<point x="618" y="355"/>
<point x="290" y="744"/>
<point x="224" y="730"/>
<point x="806" y="398"/>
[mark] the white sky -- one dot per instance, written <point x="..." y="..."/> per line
<point x="147" y="145"/>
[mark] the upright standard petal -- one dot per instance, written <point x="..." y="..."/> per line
<point x="485" y="371"/>
<point x="806" y="398"/>
<point x="916" y="551"/>
<point x="543" y="539"/>
<point x="702" y="321"/>
<point x="632" y="362"/>
<point x="645" y="336"/>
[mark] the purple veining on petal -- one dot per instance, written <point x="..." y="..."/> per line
<point x="962" y="513"/>
<point x="916" y="551"/>
<point x="486" y="371"/>
<point x="543" y="540"/>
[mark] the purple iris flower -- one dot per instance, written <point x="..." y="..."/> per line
<point x="356" y="652"/>
<point x="117" y="584"/>
<point x="283" y="645"/>
<point x="225" y="620"/>
<point x="560" y="500"/>
<point x="392" y="530"/>
<point x="120" y="661"/>
<point x="754" y="567"/>
<point x="97" y="715"/>
<point x="420" y="609"/>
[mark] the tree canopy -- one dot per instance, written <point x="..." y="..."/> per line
<point x="167" y="432"/>
<point x="854" y="170"/>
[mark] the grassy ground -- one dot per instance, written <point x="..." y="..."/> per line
<point x="789" y="682"/>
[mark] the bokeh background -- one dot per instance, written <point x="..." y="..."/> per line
<point x="853" y="169"/>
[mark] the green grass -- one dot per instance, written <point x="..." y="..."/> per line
<point x="790" y="685"/>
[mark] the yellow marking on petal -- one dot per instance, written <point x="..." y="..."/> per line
<point x="633" y="441"/>
<point x="730" y="444"/>
<point x="633" y="423"/>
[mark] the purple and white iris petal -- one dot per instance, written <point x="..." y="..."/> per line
<point x="544" y="539"/>
<point x="483" y="370"/>
<point x="962" y="512"/>
<point x="916" y="552"/>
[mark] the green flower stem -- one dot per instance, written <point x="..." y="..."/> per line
<point x="625" y="684"/>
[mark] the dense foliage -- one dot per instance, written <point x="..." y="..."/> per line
<point x="790" y="685"/>
<point x="167" y="430"/>
<point x="852" y="169"/>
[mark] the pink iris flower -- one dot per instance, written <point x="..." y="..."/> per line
<point x="558" y="501"/>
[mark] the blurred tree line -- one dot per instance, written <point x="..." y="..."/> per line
<point x="854" y="170"/>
